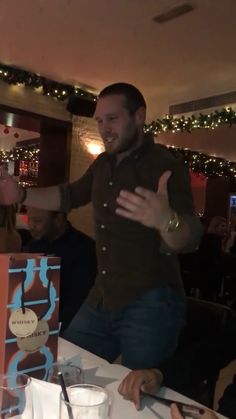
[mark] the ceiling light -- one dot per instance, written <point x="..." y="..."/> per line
<point x="174" y="12"/>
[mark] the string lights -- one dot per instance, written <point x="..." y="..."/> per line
<point x="210" y="121"/>
<point x="20" y="153"/>
<point x="209" y="166"/>
<point x="197" y="162"/>
<point x="60" y="91"/>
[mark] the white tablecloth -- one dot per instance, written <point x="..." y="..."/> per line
<point x="100" y="372"/>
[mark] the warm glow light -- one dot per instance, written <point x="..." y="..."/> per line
<point x="94" y="148"/>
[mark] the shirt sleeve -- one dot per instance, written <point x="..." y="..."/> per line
<point x="78" y="193"/>
<point x="181" y="201"/>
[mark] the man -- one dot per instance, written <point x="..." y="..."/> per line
<point x="52" y="234"/>
<point x="144" y="215"/>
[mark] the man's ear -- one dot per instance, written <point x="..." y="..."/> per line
<point x="140" y="116"/>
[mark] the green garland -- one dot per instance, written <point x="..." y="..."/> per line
<point x="209" y="166"/>
<point x="210" y="121"/>
<point x="60" y="91"/>
<point x="197" y="162"/>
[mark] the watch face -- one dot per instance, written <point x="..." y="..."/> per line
<point x="173" y="223"/>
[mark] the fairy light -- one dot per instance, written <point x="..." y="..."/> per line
<point x="48" y="87"/>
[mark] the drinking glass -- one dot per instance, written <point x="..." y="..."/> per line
<point x="71" y="374"/>
<point x="87" y="401"/>
<point x="15" y="397"/>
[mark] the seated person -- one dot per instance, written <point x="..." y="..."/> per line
<point x="210" y="258"/>
<point x="10" y="241"/>
<point x="22" y="225"/>
<point x="185" y="370"/>
<point x="52" y="234"/>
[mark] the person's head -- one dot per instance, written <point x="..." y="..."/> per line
<point x="8" y="217"/>
<point x="46" y="224"/>
<point x="218" y="225"/>
<point x="120" y="114"/>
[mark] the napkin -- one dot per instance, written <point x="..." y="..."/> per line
<point x="46" y="397"/>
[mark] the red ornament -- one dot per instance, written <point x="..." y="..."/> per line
<point x="6" y="130"/>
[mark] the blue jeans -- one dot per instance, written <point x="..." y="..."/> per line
<point x="145" y="332"/>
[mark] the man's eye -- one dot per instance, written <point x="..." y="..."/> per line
<point x="112" y="118"/>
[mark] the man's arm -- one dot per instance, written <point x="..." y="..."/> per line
<point x="53" y="198"/>
<point x="44" y="198"/>
<point x="12" y="193"/>
<point x="185" y="237"/>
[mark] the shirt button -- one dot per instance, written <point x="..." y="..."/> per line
<point x="105" y="204"/>
<point x="104" y="272"/>
<point x="104" y="248"/>
<point x="110" y="183"/>
<point x="102" y="226"/>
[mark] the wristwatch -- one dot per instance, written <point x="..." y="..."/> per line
<point x="173" y="223"/>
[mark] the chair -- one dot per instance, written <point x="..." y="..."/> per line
<point x="193" y="370"/>
<point x="203" y="318"/>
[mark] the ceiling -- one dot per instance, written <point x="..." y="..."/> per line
<point x="97" y="42"/>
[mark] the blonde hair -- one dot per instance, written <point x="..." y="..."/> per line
<point x="215" y="222"/>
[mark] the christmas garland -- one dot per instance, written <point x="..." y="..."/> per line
<point x="209" y="121"/>
<point x="60" y="91"/>
<point x="197" y="162"/>
<point x="209" y="166"/>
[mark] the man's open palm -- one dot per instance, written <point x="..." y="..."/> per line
<point x="149" y="208"/>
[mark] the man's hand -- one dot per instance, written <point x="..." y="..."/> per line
<point x="10" y="192"/>
<point x="149" y="208"/>
<point x="140" y="380"/>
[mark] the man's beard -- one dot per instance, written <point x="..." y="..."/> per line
<point x="129" y="142"/>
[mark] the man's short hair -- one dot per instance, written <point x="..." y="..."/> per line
<point x="133" y="97"/>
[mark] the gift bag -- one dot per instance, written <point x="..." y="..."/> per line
<point x="29" y="307"/>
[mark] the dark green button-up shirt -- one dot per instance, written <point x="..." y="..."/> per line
<point x="132" y="258"/>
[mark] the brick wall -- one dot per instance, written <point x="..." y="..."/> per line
<point x="84" y="132"/>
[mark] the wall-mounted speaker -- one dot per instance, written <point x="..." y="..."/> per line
<point x="82" y="107"/>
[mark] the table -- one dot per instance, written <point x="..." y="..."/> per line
<point x="100" y="372"/>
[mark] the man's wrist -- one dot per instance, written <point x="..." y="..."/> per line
<point x="172" y="223"/>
